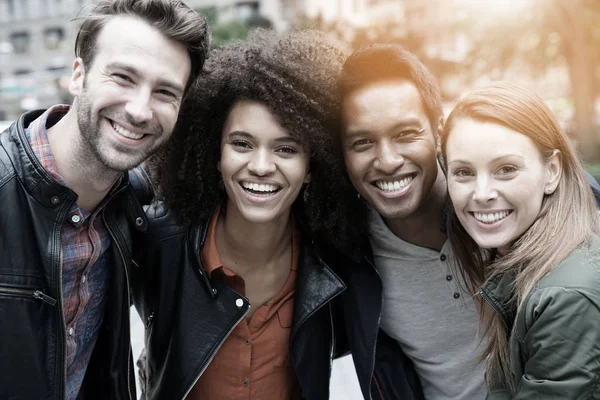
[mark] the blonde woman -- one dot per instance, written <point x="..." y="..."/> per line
<point x="524" y="230"/>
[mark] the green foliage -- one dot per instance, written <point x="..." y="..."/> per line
<point x="227" y="32"/>
<point x="223" y="32"/>
<point x="210" y="13"/>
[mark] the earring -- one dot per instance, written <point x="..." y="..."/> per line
<point x="305" y="194"/>
<point x="548" y="191"/>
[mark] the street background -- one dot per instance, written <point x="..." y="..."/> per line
<point x="549" y="46"/>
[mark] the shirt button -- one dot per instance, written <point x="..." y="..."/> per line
<point x="71" y="331"/>
<point x="239" y="303"/>
<point x="448" y="277"/>
<point x="75" y="218"/>
<point x="247" y="341"/>
<point x="456" y="295"/>
<point x="443" y="257"/>
<point x="83" y="279"/>
<point x="55" y="200"/>
<point x="245" y="382"/>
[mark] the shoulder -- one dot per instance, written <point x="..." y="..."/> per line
<point x="579" y="271"/>
<point x="572" y="289"/>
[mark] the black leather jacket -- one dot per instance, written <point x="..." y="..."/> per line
<point x="32" y="332"/>
<point x="383" y="370"/>
<point x="188" y="316"/>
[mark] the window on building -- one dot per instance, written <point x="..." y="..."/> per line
<point x="20" y="42"/>
<point x="54" y="37"/>
<point x="21" y="72"/>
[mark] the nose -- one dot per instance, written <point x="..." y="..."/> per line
<point x="388" y="158"/>
<point x="138" y="106"/>
<point x="484" y="190"/>
<point x="261" y="163"/>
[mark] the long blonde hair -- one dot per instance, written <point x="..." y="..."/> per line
<point x="567" y="218"/>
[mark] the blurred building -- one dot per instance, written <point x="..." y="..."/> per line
<point x="36" y="53"/>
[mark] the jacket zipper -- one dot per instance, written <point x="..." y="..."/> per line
<point x="216" y="349"/>
<point x="114" y="238"/>
<point x="33" y="293"/>
<point x="494" y="306"/>
<point x="372" y="372"/>
<point x="63" y="323"/>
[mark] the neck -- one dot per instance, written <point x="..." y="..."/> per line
<point x="422" y="228"/>
<point x="77" y="165"/>
<point x="257" y="244"/>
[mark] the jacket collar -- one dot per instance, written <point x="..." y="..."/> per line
<point x="497" y="292"/>
<point x="316" y="283"/>
<point x="40" y="184"/>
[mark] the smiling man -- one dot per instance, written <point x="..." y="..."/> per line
<point x="421" y="327"/>
<point x="68" y="200"/>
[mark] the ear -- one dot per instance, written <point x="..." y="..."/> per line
<point x="307" y="178"/>
<point x="77" y="77"/>
<point x="553" y="172"/>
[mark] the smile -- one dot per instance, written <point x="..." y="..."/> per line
<point x="394" y="186"/>
<point x="491" y="218"/>
<point x="126" y="133"/>
<point x="260" y="190"/>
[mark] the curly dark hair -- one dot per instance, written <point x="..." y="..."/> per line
<point x="295" y="76"/>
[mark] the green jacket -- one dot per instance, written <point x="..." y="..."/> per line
<point x="555" y="337"/>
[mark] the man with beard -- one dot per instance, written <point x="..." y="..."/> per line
<point x="68" y="202"/>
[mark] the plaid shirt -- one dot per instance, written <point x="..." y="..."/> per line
<point x="84" y="241"/>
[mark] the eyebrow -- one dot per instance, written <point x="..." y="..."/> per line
<point x="407" y="123"/>
<point x="282" y="139"/>
<point x="499" y="158"/>
<point x="132" y="70"/>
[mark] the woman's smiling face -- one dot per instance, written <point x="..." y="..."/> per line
<point x="497" y="178"/>
<point x="262" y="165"/>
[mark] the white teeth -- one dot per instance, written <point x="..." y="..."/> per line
<point x="395" y="185"/>
<point x="259" y="187"/>
<point x="124" y="132"/>
<point x="491" y="218"/>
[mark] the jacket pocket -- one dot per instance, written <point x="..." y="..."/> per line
<point x="26" y="293"/>
<point x="27" y="335"/>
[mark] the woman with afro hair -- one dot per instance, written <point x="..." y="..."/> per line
<point x="235" y="275"/>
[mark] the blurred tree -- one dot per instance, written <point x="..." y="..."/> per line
<point x="223" y="32"/>
<point x="390" y="31"/>
<point x="226" y="32"/>
<point x="548" y="33"/>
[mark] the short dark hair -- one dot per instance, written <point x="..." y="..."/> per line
<point x="172" y="18"/>
<point x="383" y="62"/>
<point x="295" y="76"/>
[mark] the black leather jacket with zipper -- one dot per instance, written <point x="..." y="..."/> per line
<point x="32" y="335"/>
<point x="188" y="316"/>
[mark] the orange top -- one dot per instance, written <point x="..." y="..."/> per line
<point x="253" y="363"/>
